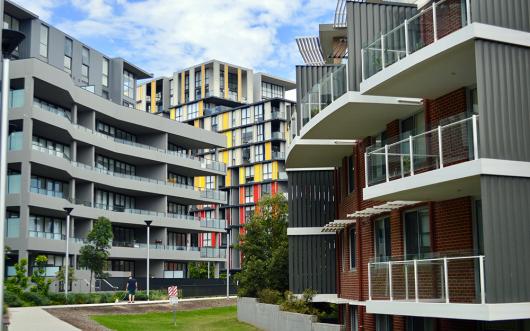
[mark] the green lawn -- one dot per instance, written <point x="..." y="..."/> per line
<point x="219" y="318"/>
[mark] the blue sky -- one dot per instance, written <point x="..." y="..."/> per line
<point x="162" y="36"/>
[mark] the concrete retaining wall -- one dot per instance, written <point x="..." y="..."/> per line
<point x="271" y="318"/>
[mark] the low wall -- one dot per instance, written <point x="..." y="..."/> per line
<point x="271" y="318"/>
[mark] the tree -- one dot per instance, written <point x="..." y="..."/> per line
<point x="265" y="248"/>
<point x="199" y="270"/>
<point x="59" y="276"/>
<point x="38" y="277"/>
<point x="18" y="283"/>
<point x="95" y="254"/>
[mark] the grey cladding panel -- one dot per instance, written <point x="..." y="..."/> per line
<point x="312" y="264"/>
<point x="513" y="14"/>
<point x="506" y="224"/>
<point x="366" y="22"/>
<point x="311" y="198"/>
<point x="503" y="85"/>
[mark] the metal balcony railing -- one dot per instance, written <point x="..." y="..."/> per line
<point x="278" y="155"/>
<point x="206" y="164"/>
<point x="122" y="209"/>
<point x="213" y="223"/>
<point x="278" y="115"/>
<point x="46" y="235"/>
<point x="277" y="135"/>
<point x="422" y="29"/>
<point x="213" y="252"/>
<point x="203" y="193"/>
<point x="446" y="145"/>
<point x="449" y="279"/>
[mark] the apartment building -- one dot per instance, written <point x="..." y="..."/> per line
<point x="248" y="108"/>
<point x="409" y="168"/>
<point x="76" y="140"/>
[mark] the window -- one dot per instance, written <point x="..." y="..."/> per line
<point x="121" y="265"/>
<point x="46" y="227"/>
<point x="382" y="239"/>
<point x="214" y="123"/>
<point x="267" y="171"/>
<point x="417" y="233"/>
<point x="58" y="149"/>
<point x="68" y="51"/>
<point x="207" y="239"/>
<point x="12" y="225"/>
<point x="210" y="182"/>
<point x="186" y="87"/>
<point x="105" y="73"/>
<point x="179" y="179"/>
<point x="351" y="174"/>
<point x="11" y="23"/>
<point x="114" y="201"/>
<point x="266" y="189"/>
<point x="198" y="84"/>
<point x="260" y="132"/>
<point x="353" y="247"/>
<point x="178" y="114"/>
<point x="383" y="323"/>
<point x="193" y="110"/>
<point x="354" y="318"/>
<point x="249" y="174"/>
<point x="43" y="49"/>
<point x="246" y="135"/>
<point x="232" y="86"/>
<point x="177" y="208"/>
<point x="245" y="116"/>
<point x="419" y="324"/>
<point x="49" y="186"/>
<point x="269" y="91"/>
<point x="128" y="84"/>
<point x="249" y="194"/>
<point x="114" y="132"/>
<point x="176" y="239"/>
<point x="258" y="153"/>
<point x="85" y="64"/>
<point x="258" y="113"/>
<point x="112" y="165"/>
<point x="249" y="211"/>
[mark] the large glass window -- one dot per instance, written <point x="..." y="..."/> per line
<point x="198" y="84"/>
<point x="269" y="91"/>
<point x="85" y="64"/>
<point x="49" y="186"/>
<point x="267" y="171"/>
<point x="128" y="84"/>
<point x="266" y="189"/>
<point x="419" y="324"/>
<point x="114" y="201"/>
<point x="105" y="73"/>
<point x="179" y="179"/>
<point x="260" y="134"/>
<point x="114" y="132"/>
<point x="121" y="265"/>
<point x="249" y="174"/>
<point x="246" y="135"/>
<point x="11" y="22"/>
<point x="383" y="323"/>
<point x="176" y="239"/>
<point x="354" y="319"/>
<point x="417" y="233"/>
<point x="210" y="182"/>
<point x="46" y="227"/>
<point x="382" y="239"/>
<point x="258" y="113"/>
<point x="249" y="194"/>
<point x="207" y="239"/>
<point x="43" y="49"/>
<point x="258" y="153"/>
<point x="245" y="116"/>
<point x="54" y="147"/>
<point x="353" y="247"/>
<point x="68" y="51"/>
<point x="12" y="224"/>
<point x="193" y="110"/>
<point x="112" y="165"/>
<point x="177" y="208"/>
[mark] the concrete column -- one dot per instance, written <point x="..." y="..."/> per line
<point x="215" y="80"/>
<point x="29" y="88"/>
<point x="188" y="241"/>
<point x="23" y="254"/>
<point x="74" y="113"/>
<point x="27" y="135"/>
<point x="217" y="267"/>
<point x="73" y="150"/>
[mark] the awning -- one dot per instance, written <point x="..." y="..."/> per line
<point x="338" y="225"/>
<point x="310" y="50"/>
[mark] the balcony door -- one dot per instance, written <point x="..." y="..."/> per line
<point x="417" y="231"/>
<point x="382" y="239"/>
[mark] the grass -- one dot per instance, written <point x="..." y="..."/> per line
<point x="218" y="319"/>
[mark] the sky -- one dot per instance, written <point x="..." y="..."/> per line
<point x="163" y="36"/>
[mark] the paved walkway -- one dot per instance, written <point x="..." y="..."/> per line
<point x="36" y="318"/>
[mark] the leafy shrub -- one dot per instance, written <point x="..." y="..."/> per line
<point x="273" y="297"/>
<point x="12" y="299"/>
<point x="57" y="298"/>
<point x="302" y="306"/>
<point x="35" y="299"/>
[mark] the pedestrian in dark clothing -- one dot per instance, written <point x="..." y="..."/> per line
<point x="131" y="288"/>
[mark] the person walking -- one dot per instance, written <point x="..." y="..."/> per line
<point x="132" y="286"/>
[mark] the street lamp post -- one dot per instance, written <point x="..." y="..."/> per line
<point x="68" y="211"/>
<point x="148" y="223"/>
<point x="227" y="262"/>
<point x="10" y="40"/>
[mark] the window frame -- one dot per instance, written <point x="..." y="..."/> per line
<point x="352" y="243"/>
<point x="45" y="44"/>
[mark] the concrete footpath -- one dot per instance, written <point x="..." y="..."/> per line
<point x="36" y="318"/>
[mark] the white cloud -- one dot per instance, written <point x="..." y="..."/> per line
<point x="43" y="8"/>
<point x="163" y="36"/>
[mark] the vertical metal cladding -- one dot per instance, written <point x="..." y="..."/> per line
<point x="366" y="22"/>
<point x="503" y="86"/>
<point x="311" y="258"/>
<point x="513" y="14"/>
<point x="505" y="210"/>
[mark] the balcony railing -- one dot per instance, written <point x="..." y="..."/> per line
<point x="438" y="148"/>
<point x="14" y="141"/>
<point x="450" y="279"/>
<point x="134" y="244"/>
<point x="278" y="155"/>
<point x="122" y="209"/>
<point x="50" y="193"/>
<point x="46" y="235"/>
<point x="278" y="115"/>
<point x="207" y="164"/>
<point x="277" y="135"/>
<point x="328" y="89"/>
<point x="422" y="29"/>
<point x="213" y="223"/>
<point x="212" y="252"/>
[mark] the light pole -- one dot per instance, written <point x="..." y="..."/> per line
<point x="148" y="223"/>
<point x="227" y="262"/>
<point x="10" y="40"/>
<point x="68" y="211"/>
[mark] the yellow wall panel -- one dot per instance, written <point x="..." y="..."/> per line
<point x="226" y="81"/>
<point x="172" y="114"/>
<point x="268" y="151"/>
<point x="228" y="177"/>
<point x="225" y="157"/>
<point x="239" y="85"/>
<point x="182" y="85"/>
<point x="153" y="96"/>
<point x="229" y="139"/>
<point x="225" y="121"/>
<point x="201" y="108"/>
<point x="200" y="181"/>
<point x="275" y="170"/>
<point x="241" y="175"/>
<point x="196" y="123"/>
<point x="203" y="83"/>
<point x="258" y="173"/>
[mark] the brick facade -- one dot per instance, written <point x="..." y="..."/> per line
<point x="451" y="227"/>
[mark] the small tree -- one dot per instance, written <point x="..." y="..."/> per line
<point x="265" y="248"/>
<point x="38" y="277"/>
<point x="59" y="276"/>
<point x="95" y="254"/>
<point x="199" y="270"/>
<point x="18" y="283"/>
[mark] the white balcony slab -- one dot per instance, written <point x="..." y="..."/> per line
<point x="317" y="153"/>
<point x="356" y="116"/>
<point x="467" y="311"/>
<point x="441" y="67"/>
<point x="454" y="181"/>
